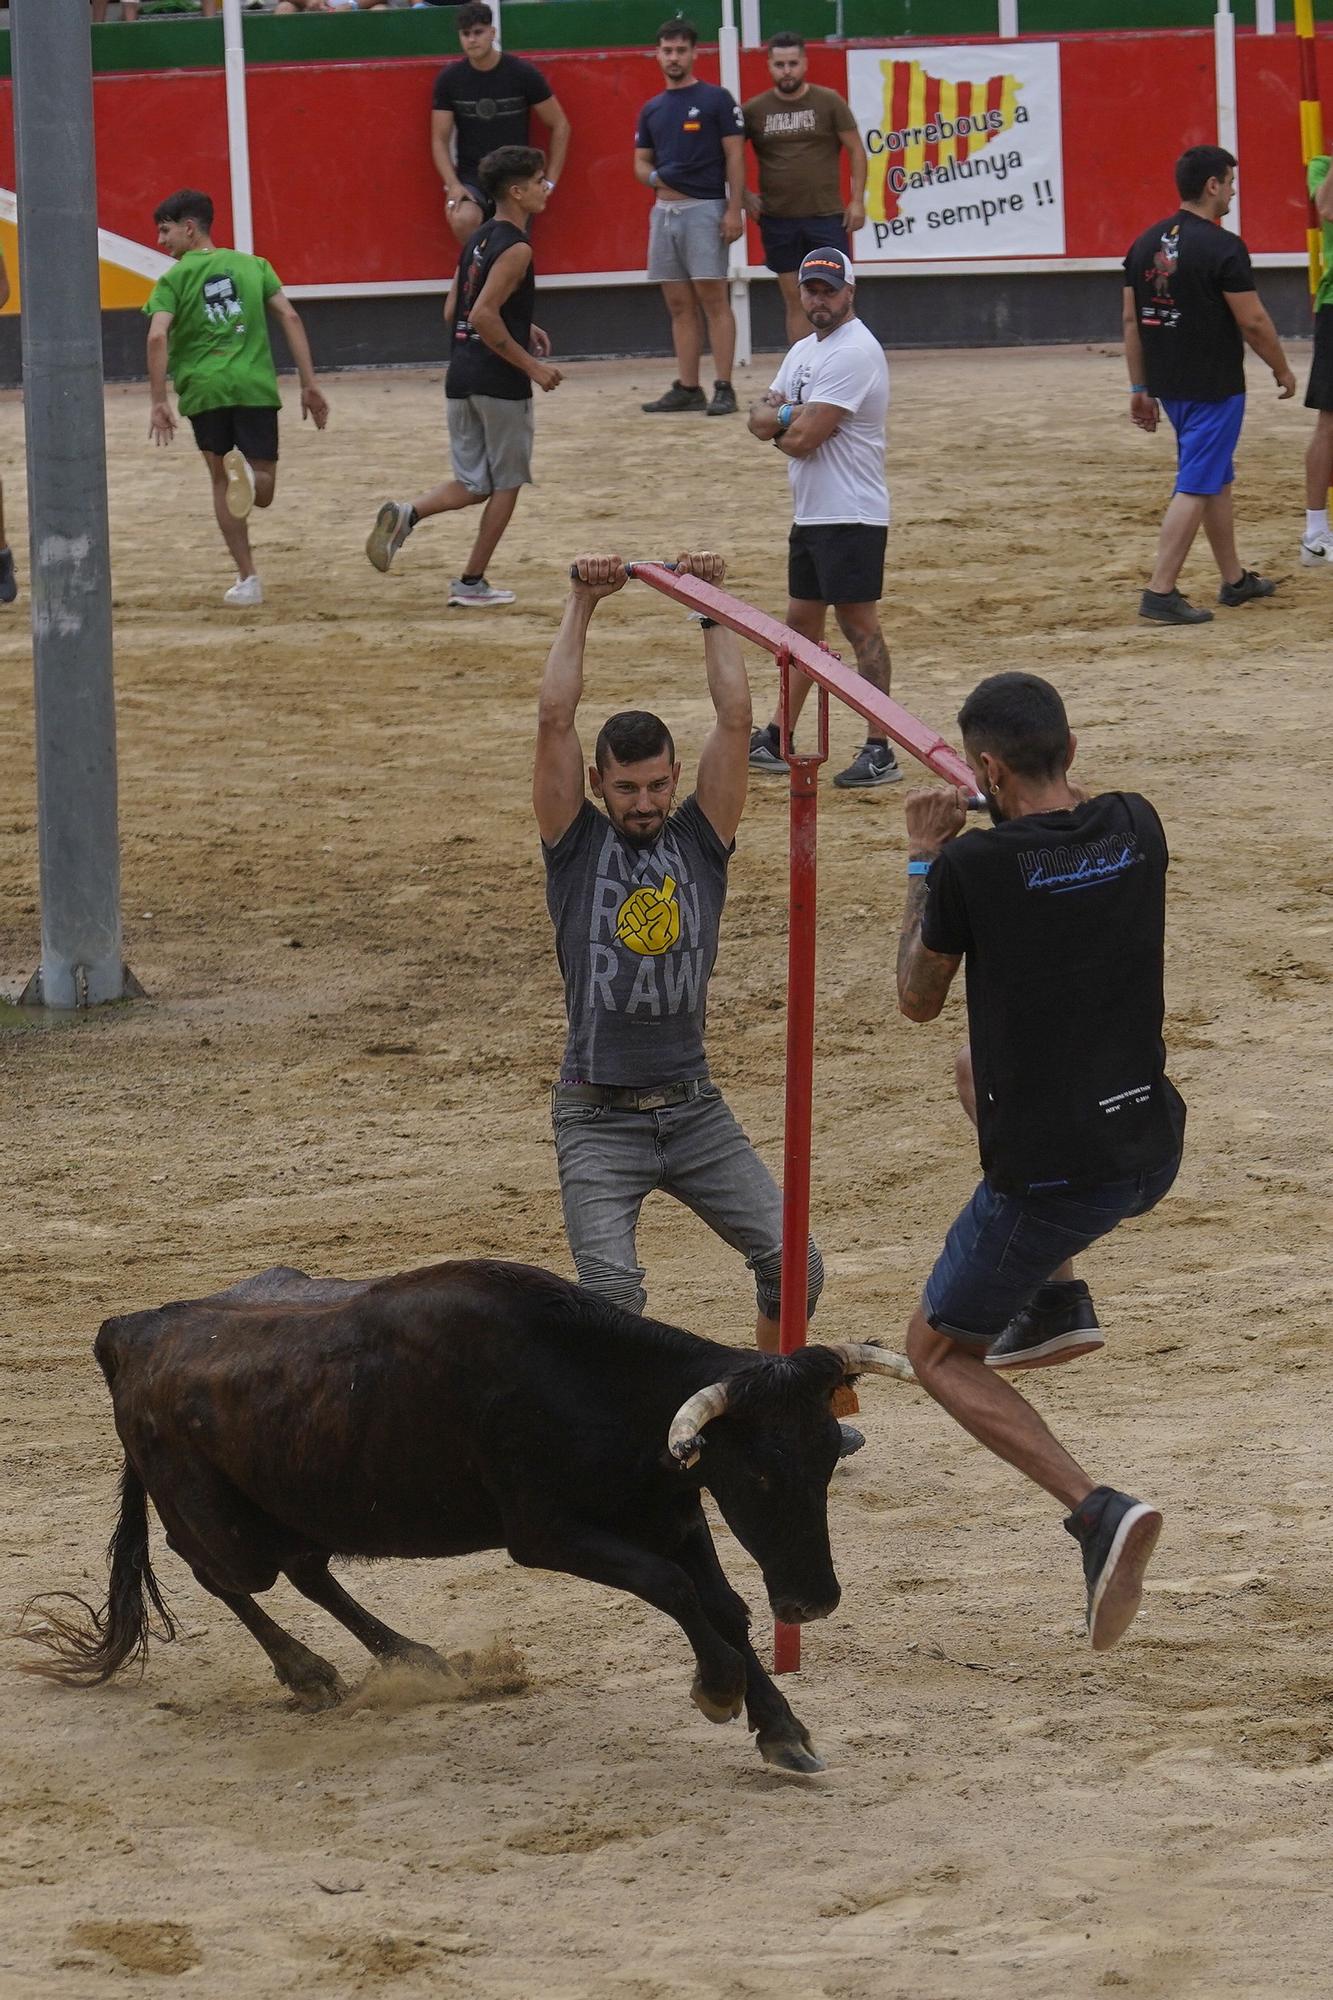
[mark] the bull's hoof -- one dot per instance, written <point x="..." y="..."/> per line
<point x="315" y="1692"/>
<point x="791" y="1753"/>
<point x="718" y="1709"/>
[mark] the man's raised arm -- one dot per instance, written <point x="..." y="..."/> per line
<point x="557" y="774"/>
<point x="724" y="761"/>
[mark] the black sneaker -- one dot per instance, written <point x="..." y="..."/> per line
<point x="852" y="1440"/>
<point x="724" y="401"/>
<point x="1169" y="607"/>
<point x="678" y="397"/>
<point x="9" y="583"/>
<point x="1059" y="1324"/>
<point x="1246" y="588"/>
<point x="764" y="753"/>
<point x="873" y="764"/>
<point x="1117" y="1535"/>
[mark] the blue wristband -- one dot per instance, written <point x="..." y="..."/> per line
<point x="785" y="413"/>
<point x="919" y="867"/>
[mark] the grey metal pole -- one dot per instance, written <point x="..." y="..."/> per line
<point x="70" y="558"/>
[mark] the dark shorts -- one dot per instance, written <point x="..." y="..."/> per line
<point x="483" y="200"/>
<point x="837" y="564"/>
<point x="1319" y="389"/>
<point x="787" y="238"/>
<point x="1003" y="1246"/>
<point x="250" y="431"/>
<point x="1206" y="437"/>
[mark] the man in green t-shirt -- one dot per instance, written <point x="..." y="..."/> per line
<point x="206" y="327"/>
<point x="1317" y="541"/>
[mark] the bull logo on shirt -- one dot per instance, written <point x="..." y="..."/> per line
<point x="1161" y="309"/>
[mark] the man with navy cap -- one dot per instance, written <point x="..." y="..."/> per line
<point x="826" y="413"/>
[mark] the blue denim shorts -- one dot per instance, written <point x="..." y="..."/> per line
<point x="1003" y="1246"/>
<point x="1206" y="437"/>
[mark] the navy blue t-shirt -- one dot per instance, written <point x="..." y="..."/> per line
<point x="684" y="130"/>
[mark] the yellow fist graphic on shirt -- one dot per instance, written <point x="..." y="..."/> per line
<point x="649" y="920"/>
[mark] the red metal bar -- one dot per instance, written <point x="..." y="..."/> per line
<point x="823" y="667"/>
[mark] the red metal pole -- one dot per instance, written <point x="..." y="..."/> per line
<point x="800" y="1058"/>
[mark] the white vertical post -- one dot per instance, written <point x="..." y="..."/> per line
<point x="238" y="127"/>
<point x="729" y="58"/>
<point x="1224" y="66"/>
<point x="752" y="34"/>
<point x="1008" y="20"/>
<point x="1265" y="16"/>
<point x="495" y="16"/>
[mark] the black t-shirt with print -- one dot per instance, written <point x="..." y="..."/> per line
<point x="1060" y="917"/>
<point x="474" y="368"/>
<point x="491" y="107"/>
<point x="1179" y="269"/>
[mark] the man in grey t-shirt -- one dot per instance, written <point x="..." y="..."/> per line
<point x="635" y="894"/>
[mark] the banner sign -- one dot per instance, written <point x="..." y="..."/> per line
<point x="965" y="150"/>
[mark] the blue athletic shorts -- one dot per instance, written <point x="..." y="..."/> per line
<point x="1003" y="1246"/>
<point x="1206" y="435"/>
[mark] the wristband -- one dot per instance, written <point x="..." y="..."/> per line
<point x="919" y="867"/>
<point x="786" y="412"/>
<point x="1138" y="388"/>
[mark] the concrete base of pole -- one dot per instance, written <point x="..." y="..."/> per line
<point x="80" y="986"/>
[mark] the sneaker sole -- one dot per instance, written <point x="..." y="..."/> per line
<point x="846" y="784"/>
<point x="1046" y="1354"/>
<point x="1119" y="1591"/>
<point x="480" y="603"/>
<point x="1156" y="618"/>
<point x="379" y="542"/>
<point x="240" y="486"/>
<point x="777" y="769"/>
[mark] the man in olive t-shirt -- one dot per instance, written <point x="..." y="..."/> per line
<point x="799" y="132"/>
<point x="207" y="328"/>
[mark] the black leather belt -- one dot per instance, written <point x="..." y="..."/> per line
<point x="619" y="1097"/>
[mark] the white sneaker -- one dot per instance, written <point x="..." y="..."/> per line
<point x="393" y="525"/>
<point x="478" y="593"/>
<point x="245" y="590"/>
<point x="1317" y="550"/>
<point x="240" y="484"/>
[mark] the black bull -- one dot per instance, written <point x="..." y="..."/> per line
<point x="471" y="1405"/>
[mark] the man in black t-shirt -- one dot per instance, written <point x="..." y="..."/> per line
<point x="486" y="101"/>
<point x="1059" y="912"/>
<point x="495" y="356"/>
<point x="1190" y="308"/>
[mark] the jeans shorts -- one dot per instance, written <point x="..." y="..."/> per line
<point x="1003" y="1246"/>
<point x="1206" y="437"/>
<point x="490" y="442"/>
<point x="685" y="241"/>
<point x="611" y="1160"/>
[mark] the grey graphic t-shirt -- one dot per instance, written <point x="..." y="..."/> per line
<point x="636" y="936"/>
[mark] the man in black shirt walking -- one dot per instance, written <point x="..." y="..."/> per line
<point x="1059" y="912"/>
<point x="1190" y="308"/>
<point x="495" y="356"/>
<point x="486" y="100"/>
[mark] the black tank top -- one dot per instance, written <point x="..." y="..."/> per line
<point x="474" y="368"/>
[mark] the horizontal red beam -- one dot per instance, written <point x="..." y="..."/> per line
<point x="823" y="667"/>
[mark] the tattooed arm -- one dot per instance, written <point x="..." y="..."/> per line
<point x="924" y="976"/>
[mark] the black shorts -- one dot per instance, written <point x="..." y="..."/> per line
<point x="836" y="564"/>
<point x="475" y="192"/>
<point x="244" y="429"/>
<point x="1319" y="389"/>
<point x="788" y="238"/>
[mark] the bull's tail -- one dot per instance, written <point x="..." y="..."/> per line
<point x="90" y="1646"/>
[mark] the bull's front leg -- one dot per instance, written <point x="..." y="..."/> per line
<point x="781" y="1737"/>
<point x="722" y="1675"/>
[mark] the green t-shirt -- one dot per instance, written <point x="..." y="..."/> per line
<point x="1316" y="174"/>
<point x="217" y="343"/>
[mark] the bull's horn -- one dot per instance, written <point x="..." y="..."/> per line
<point x="859" y="1357"/>
<point x="683" y="1438"/>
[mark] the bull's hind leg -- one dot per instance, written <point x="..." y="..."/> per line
<point x="310" y="1575"/>
<point x="315" y="1682"/>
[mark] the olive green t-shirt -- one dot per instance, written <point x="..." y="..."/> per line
<point x="1316" y="174"/>
<point x="796" y="143"/>
<point x="217" y="343"/>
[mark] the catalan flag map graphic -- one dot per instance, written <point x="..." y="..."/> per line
<point x="965" y="151"/>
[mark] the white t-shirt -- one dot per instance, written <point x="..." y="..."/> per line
<point x="844" y="479"/>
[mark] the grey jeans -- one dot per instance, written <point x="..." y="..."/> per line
<point x="609" y="1160"/>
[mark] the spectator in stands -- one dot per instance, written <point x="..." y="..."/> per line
<point x="799" y="131"/>
<point x="332" y="7"/>
<point x="690" y="149"/>
<point x="484" y="103"/>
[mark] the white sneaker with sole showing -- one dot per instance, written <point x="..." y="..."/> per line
<point x="246" y="590"/>
<point x="240" y="484"/>
<point x="1317" y="551"/>
<point x="478" y="593"/>
<point x="393" y="525"/>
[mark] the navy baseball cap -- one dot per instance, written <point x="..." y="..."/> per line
<point x="826" y="267"/>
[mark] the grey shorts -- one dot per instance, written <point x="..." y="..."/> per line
<point x="490" y="442"/>
<point x="685" y="241"/>
<point x="610" y="1160"/>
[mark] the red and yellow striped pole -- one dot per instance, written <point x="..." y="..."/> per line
<point x="1312" y="127"/>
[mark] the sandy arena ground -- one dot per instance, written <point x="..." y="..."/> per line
<point x="334" y="897"/>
